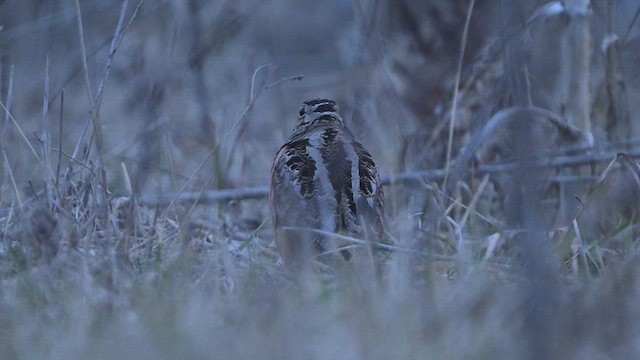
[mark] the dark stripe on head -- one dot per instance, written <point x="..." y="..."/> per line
<point x="314" y="102"/>
<point x="325" y="108"/>
<point x="322" y="105"/>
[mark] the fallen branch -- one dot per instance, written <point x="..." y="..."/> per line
<point x="258" y="192"/>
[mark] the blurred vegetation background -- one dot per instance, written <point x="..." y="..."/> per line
<point x="508" y="134"/>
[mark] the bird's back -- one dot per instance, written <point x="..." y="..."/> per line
<point x="323" y="179"/>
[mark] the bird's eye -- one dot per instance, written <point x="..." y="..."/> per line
<point x="302" y="111"/>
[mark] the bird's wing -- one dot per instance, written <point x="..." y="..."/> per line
<point x="369" y="198"/>
<point x="299" y="197"/>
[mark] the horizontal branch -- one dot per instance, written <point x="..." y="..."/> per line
<point x="207" y="197"/>
<point x="258" y="192"/>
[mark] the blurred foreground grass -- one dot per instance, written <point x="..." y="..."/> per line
<point x="203" y="300"/>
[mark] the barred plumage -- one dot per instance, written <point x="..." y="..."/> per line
<point x="323" y="178"/>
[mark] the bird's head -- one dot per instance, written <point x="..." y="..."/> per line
<point x="319" y="111"/>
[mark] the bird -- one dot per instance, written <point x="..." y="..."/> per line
<point x="324" y="181"/>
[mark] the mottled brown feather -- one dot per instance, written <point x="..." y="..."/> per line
<point x="323" y="178"/>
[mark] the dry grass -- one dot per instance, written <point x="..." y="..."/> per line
<point x="107" y="252"/>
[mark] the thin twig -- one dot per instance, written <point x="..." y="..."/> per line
<point x="85" y="73"/>
<point x="264" y="88"/>
<point x="94" y="105"/>
<point x="127" y="180"/>
<point x="46" y="139"/>
<point x="379" y="246"/>
<point x="115" y="43"/>
<point x="117" y="36"/>
<point x="17" y="125"/>
<point x="126" y="27"/>
<point x="215" y="148"/>
<point x="5" y="130"/>
<point x="292" y="78"/>
<point x="60" y="132"/>
<point x="471" y="207"/>
<point x="357" y="241"/>
<point x="101" y="186"/>
<point x="631" y="25"/>
<point x="93" y="53"/>
<point x="253" y="79"/>
<point x="454" y="104"/>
